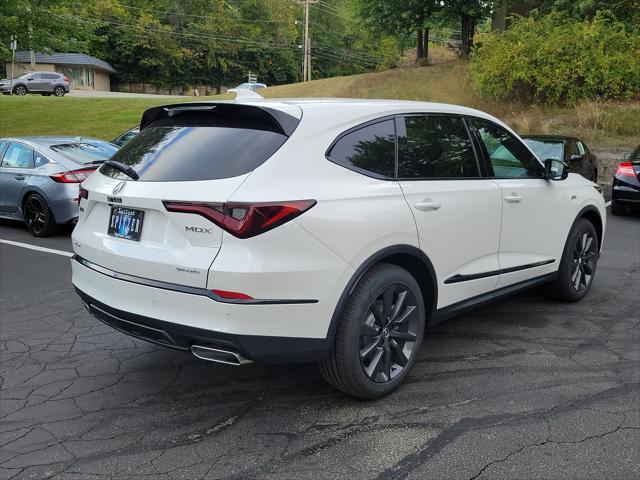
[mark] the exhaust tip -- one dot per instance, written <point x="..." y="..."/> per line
<point x="218" y="355"/>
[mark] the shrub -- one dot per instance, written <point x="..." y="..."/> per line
<point x="556" y="59"/>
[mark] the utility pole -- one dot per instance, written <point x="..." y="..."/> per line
<point x="306" y="64"/>
<point x="14" y="46"/>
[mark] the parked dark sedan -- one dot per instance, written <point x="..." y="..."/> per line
<point x="570" y="150"/>
<point x="626" y="184"/>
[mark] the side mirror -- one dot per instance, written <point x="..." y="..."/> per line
<point x="555" y="169"/>
<point x="575" y="158"/>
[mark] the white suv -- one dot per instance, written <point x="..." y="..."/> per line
<point x="324" y="230"/>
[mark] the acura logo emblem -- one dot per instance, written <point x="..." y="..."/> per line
<point x="118" y="188"/>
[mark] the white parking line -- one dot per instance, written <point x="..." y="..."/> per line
<point x="35" y="247"/>
<point x="607" y="203"/>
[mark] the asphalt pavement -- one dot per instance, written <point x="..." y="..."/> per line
<point x="522" y="389"/>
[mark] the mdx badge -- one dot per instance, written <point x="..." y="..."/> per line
<point x="198" y="229"/>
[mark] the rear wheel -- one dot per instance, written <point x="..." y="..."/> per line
<point x="20" y="90"/>
<point x="379" y="334"/>
<point x="578" y="264"/>
<point x="59" y="92"/>
<point x="617" y="208"/>
<point x="38" y="216"/>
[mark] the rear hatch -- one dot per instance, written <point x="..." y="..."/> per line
<point x="186" y="153"/>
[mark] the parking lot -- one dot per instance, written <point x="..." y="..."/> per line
<point x="525" y="388"/>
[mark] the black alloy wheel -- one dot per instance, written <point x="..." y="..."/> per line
<point x="388" y="333"/>
<point x="379" y="333"/>
<point x="58" y="92"/>
<point x="37" y="216"/>
<point x="578" y="264"/>
<point x="584" y="256"/>
<point x="20" y="90"/>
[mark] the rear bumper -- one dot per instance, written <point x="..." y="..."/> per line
<point x="623" y="193"/>
<point x="271" y="333"/>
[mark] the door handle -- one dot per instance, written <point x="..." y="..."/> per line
<point x="19" y="177"/>
<point x="513" y="198"/>
<point x="428" y="205"/>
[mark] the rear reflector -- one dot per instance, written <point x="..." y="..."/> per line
<point x="244" y="220"/>
<point x="232" y="295"/>
<point x="626" y="169"/>
<point x="73" y="176"/>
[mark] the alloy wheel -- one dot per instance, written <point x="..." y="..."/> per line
<point x="20" y="90"/>
<point x="387" y="335"/>
<point x="36" y="214"/>
<point x="58" y="92"/>
<point x="583" y="261"/>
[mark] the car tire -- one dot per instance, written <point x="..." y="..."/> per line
<point x="578" y="264"/>
<point x="618" y="208"/>
<point x="379" y="334"/>
<point x="20" y="90"/>
<point x="38" y="216"/>
<point x="59" y="92"/>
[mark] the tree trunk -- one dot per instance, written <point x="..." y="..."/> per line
<point x="464" y="50"/>
<point x="419" y="47"/>
<point x="472" y="32"/>
<point x="426" y="45"/>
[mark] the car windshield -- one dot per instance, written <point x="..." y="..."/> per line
<point x="86" y="152"/>
<point x="244" y="86"/>
<point x="545" y="148"/>
<point x="23" y="75"/>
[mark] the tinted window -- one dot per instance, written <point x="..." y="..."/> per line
<point x="508" y="156"/>
<point x="39" y="159"/>
<point x="370" y="149"/>
<point x="182" y="153"/>
<point x="50" y="76"/>
<point x="435" y="147"/>
<point x="86" y="152"/>
<point x="545" y="148"/>
<point x="572" y="149"/>
<point x="18" y="156"/>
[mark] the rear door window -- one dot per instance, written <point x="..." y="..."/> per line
<point x="370" y="149"/>
<point x="18" y="156"/>
<point x="435" y="146"/>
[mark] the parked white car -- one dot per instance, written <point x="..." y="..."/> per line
<point x="319" y="230"/>
<point x="247" y="86"/>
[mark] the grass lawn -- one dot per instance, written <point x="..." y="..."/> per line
<point x="603" y="125"/>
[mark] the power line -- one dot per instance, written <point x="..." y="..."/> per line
<point x="200" y="17"/>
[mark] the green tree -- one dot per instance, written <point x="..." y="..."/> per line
<point x="404" y="17"/>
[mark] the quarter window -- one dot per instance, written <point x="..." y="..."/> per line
<point x="369" y="150"/>
<point x="508" y="156"/>
<point x="18" y="156"/>
<point x="435" y="146"/>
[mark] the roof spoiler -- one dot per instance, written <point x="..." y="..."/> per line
<point x="286" y="122"/>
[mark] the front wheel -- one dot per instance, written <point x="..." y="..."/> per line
<point x="379" y="334"/>
<point x="38" y="216"/>
<point x="20" y="90"/>
<point x="59" y="92"/>
<point x="578" y="263"/>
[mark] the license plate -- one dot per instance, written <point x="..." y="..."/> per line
<point x="125" y="223"/>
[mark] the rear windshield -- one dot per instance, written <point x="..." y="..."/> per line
<point x="172" y="153"/>
<point x="545" y="148"/>
<point x="86" y="152"/>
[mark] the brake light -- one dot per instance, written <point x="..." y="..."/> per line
<point x="65" y="78"/>
<point x="73" y="176"/>
<point x="626" y="169"/>
<point x="244" y="220"/>
<point x="232" y="295"/>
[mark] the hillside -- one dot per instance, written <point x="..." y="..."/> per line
<point x="603" y="125"/>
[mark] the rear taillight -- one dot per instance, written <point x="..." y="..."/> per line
<point x="73" y="176"/>
<point x="66" y="79"/>
<point x="244" y="220"/>
<point x="626" y="169"/>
